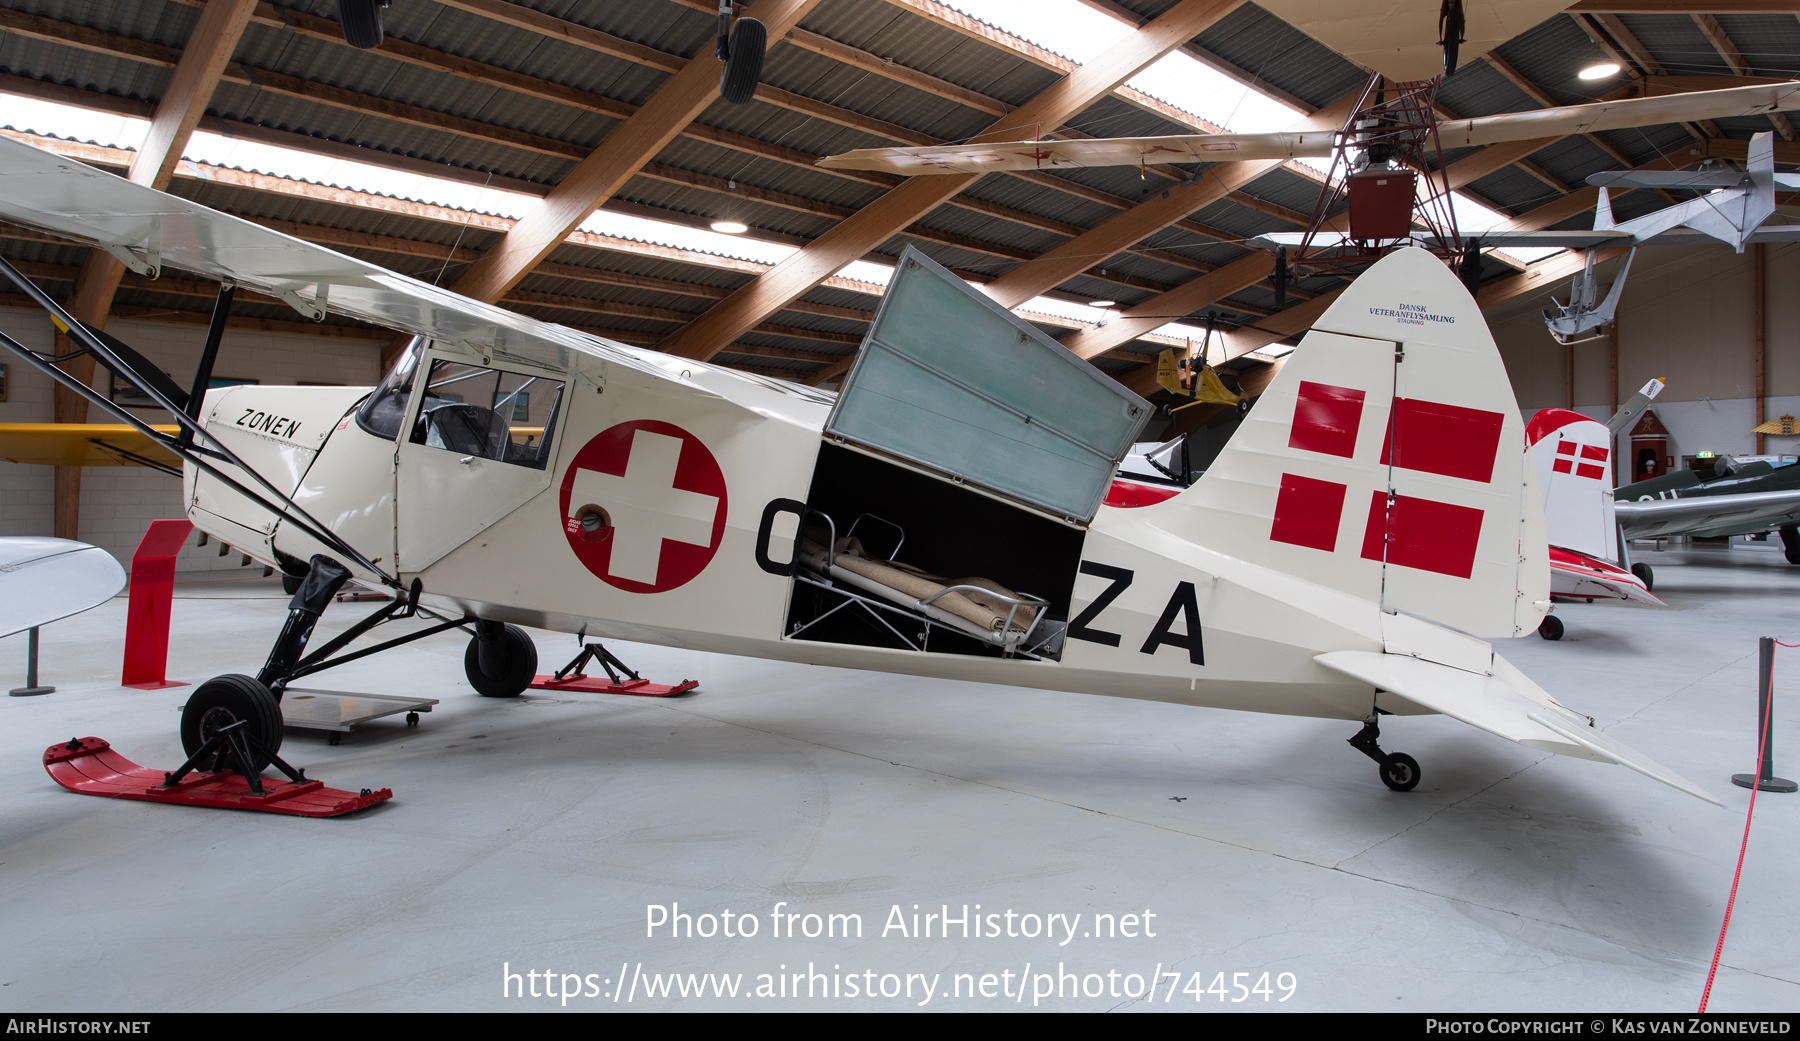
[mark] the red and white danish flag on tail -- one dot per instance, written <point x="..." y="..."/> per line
<point x="1572" y="455"/>
<point x="1385" y="461"/>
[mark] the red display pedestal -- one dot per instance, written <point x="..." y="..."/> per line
<point x="152" y="601"/>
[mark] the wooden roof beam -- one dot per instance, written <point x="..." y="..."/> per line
<point x="1686" y="6"/>
<point x="1112" y="236"/>
<point x="1734" y="60"/>
<point x="599" y="176"/>
<point x="898" y="208"/>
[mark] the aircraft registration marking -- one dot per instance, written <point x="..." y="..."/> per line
<point x="1184" y="605"/>
<point x="664" y="495"/>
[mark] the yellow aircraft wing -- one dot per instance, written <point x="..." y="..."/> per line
<point x="83" y="444"/>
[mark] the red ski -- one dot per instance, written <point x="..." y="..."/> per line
<point x="90" y="766"/>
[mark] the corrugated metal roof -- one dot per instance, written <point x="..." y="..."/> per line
<point x="1249" y="38"/>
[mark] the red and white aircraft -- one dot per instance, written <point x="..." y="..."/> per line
<point x="1353" y="550"/>
<point x="1572" y="455"/>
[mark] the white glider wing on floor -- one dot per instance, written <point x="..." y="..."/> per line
<point x="44" y="579"/>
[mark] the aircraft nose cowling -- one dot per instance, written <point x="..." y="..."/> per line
<point x="276" y="431"/>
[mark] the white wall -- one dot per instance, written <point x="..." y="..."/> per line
<point x="119" y="502"/>
<point x="1686" y="316"/>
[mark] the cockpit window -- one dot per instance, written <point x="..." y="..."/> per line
<point x="383" y="413"/>
<point x="489" y="413"/>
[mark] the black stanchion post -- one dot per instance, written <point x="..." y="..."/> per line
<point x="31" y="688"/>
<point x="1766" y="781"/>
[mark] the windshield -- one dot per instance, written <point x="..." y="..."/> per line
<point x="384" y="412"/>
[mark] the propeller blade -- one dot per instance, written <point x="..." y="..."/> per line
<point x="1050" y="155"/>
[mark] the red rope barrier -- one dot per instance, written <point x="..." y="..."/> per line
<point x="1762" y="743"/>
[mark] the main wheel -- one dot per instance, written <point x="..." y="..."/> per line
<point x="1790" y="542"/>
<point x="222" y="701"/>
<point x="741" y="72"/>
<point x="515" y="671"/>
<point x="1400" y="772"/>
<point x="1551" y="628"/>
<point x="361" y="22"/>
<point x="1648" y="577"/>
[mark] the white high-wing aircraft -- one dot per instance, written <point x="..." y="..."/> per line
<point x="1367" y="531"/>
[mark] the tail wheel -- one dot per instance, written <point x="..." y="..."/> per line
<point x="1551" y="628"/>
<point x="222" y="701"/>
<point x="508" y="676"/>
<point x="1648" y="577"/>
<point x="1400" y="772"/>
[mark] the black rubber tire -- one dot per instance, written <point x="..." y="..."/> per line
<point x="1551" y="628"/>
<point x="1400" y="772"/>
<point x="290" y="584"/>
<point x="740" y="74"/>
<point x="519" y="668"/>
<point x="1451" y="21"/>
<point x="223" y="700"/>
<point x="1645" y="575"/>
<point x="361" y="22"/>
<point x="1790" y="543"/>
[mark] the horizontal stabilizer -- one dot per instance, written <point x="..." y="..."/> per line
<point x="1505" y="704"/>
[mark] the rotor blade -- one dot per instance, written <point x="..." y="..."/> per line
<point x="1759" y="99"/>
<point x="1666" y="179"/>
<point x="1116" y="151"/>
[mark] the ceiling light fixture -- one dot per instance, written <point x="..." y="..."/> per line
<point x="730" y="227"/>
<point x="1600" y="71"/>
<point x="1101" y="303"/>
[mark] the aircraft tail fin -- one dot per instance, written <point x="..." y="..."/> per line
<point x="1386" y="461"/>
<point x="1572" y="456"/>
<point x="1603" y="215"/>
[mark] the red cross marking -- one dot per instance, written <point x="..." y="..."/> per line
<point x="664" y="499"/>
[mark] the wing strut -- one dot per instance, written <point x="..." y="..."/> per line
<point x="186" y="413"/>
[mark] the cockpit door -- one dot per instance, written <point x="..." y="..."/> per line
<point x="477" y="446"/>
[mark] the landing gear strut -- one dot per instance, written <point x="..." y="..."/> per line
<point x="1399" y="771"/>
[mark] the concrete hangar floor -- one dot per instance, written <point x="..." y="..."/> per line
<point x="540" y="835"/>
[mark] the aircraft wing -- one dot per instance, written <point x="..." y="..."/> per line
<point x="66" y="198"/>
<point x="1742" y="513"/>
<point x="84" y="444"/>
<point x="43" y="579"/>
<point x="1399" y="38"/>
<point x="1577" y="239"/>
<point x="1563" y="121"/>
<point x="1505" y="704"/>
<point x="1111" y="151"/>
